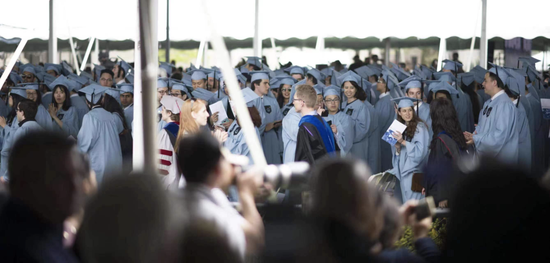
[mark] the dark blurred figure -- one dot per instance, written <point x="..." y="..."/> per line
<point x="126" y="139"/>
<point x="367" y="61"/>
<point x="374" y="59"/>
<point x="499" y="214"/>
<point x="455" y="58"/>
<point x="131" y="219"/>
<point x="337" y="65"/>
<point x="202" y="238"/>
<point x="356" y="63"/>
<point x="447" y="149"/>
<point x="434" y="64"/>
<point x="394" y="219"/>
<point x="347" y="222"/>
<point x="43" y="195"/>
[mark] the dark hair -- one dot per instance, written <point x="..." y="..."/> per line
<point x="392" y="220"/>
<point x="476" y="107"/>
<point x="280" y="97"/>
<point x="512" y="224"/>
<point x="16" y="99"/>
<point x="313" y="79"/>
<point x="45" y="149"/>
<point x="67" y="102"/>
<point x="431" y="95"/>
<point x="375" y="77"/>
<point x="121" y="72"/>
<point x="254" y="67"/>
<point x="29" y="108"/>
<point x="199" y="156"/>
<point x="384" y="80"/>
<point x="108" y="71"/>
<point x="256" y="82"/>
<point x="408" y="134"/>
<point x="444" y="118"/>
<point x="493" y="76"/>
<point x="111" y="105"/>
<point x="360" y="94"/>
<point x="38" y="97"/>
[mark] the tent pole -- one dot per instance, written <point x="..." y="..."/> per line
<point x="149" y="68"/>
<point x="199" y="53"/>
<point x="13" y="59"/>
<point x="88" y="50"/>
<point x="168" y="31"/>
<point x="483" y="41"/>
<point x="442" y="51"/>
<point x="257" y="45"/>
<point x="71" y="43"/>
<point x="52" y="41"/>
<point x="137" y="131"/>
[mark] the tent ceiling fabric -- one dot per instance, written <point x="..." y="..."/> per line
<point x="420" y="18"/>
<point x="453" y="43"/>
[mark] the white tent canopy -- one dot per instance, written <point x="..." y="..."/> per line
<point x="282" y="19"/>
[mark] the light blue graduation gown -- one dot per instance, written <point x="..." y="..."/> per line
<point x="424" y="114"/>
<point x="259" y="104"/>
<point x="524" y="139"/>
<point x="271" y="140"/>
<point x="538" y="143"/>
<point x="464" y="111"/>
<point x="290" y="134"/>
<point x="236" y="142"/>
<point x="99" y="138"/>
<point x="26" y="128"/>
<point x="47" y="99"/>
<point x="43" y="118"/>
<point x="285" y="109"/>
<point x="483" y="96"/>
<point x="8" y="134"/>
<point x="80" y="106"/>
<point x="70" y="122"/>
<point x="4" y="109"/>
<point x="362" y="123"/>
<point x="531" y="122"/>
<point x="129" y="115"/>
<point x="161" y="123"/>
<point x="217" y="97"/>
<point x="346" y="131"/>
<point x="497" y="134"/>
<point x="410" y="160"/>
<point x="386" y="115"/>
<point x="374" y="139"/>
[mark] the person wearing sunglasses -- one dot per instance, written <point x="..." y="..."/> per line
<point x="29" y="74"/>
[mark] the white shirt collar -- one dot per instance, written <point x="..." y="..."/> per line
<point x="313" y="113"/>
<point x="384" y="95"/>
<point x="129" y="106"/>
<point x="418" y="106"/>
<point x="498" y="94"/>
<point x="515" y="102"/>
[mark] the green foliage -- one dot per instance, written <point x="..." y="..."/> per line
<point x="438" y="233"/>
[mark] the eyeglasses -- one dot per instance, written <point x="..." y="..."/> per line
<point x="26" y="76"/>
<point x="286" y="89"/>
<point x="298" y="100"/>
<point x="331" y="101"/>
<point x="163" y="92"/>
<point x="102" y="79"/>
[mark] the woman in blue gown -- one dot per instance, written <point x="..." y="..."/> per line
<point x="63" y="114"/>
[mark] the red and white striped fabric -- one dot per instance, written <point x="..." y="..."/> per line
<point x="168" y="167"/>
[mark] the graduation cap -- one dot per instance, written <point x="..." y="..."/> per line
<point x="29" y="69"/>
<point x="349" y="76"/>
<point x="444" y="76"/>
<point x="319" y="88"/>
<point x="452" y="65"/>
<point x="428" y="72"/>
<point x="60" y="81"/>
<point x="413" y="81"/>
<point x="388" y="77"/>
<point x="418" y="72"/>
<point x="66" y="69"/>
<point x="501" y="73"/>
<point x="399" y="72"/>
<point x="46" y="78"/>
<point x="93" y="92"/>
<point x="295" y="70"/>
<point x="55" y="67"/>
<point x="115" y="93"/>
<point x="244" y="70"/>
<point x="332" y="90"/>
<point x="404" y="102"/>
<point x="532" y="73"/>
<point x="172" y="104"/>
<point x="256" y="75"/>
<point x="249" y="95"/>
<point x="467" y="78"/>
<point x="516" y="82"/>
<point x="28" y="86"/>
<point x="19" y="91"/>
<point x="73" y="85"/>
<point x="376" y="68"/>
<point x="192" y="67"/>
<point x="167" y="67"/>
<point x="443" y="86"/>
<point x="126" y="88"/>
<point x="198" y="74"/>
<point x="256" y="61"/>
<point x="528" y="61"/>
<point x="479" y="74"/>
<point x="215" y="74"/>
<point x="162" y="83"/>
<point x="316" y="74"/>
<point x="202" y="94"/>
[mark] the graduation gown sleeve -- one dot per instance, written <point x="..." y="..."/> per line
<point x="167" y="165"/>
<point x="290" y="135"/>
<point x="309" y="145"/>
<point x="70" y="122"/>
<point x="43" y="118"/>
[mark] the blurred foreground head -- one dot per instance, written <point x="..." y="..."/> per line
<point x="343" y="202"/>
<point x="46" y="174"/>
<point x="131" y="219"/>
<point x="499" y="214"/>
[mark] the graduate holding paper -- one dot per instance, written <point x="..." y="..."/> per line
<point x="386" y="114"/>
<point x="411" y="149"/>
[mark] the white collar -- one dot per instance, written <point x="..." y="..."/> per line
<point x="313" y="113"/>
<point x="496" y="95"/>
<point x="129" y="106"/>
<point x="515" y="102"/>
<point x="418" y="106"/>
<point x="384" y="95"/>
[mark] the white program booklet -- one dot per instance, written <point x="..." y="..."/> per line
<point x="220" y="109"/>
<point x="396" y="126"/>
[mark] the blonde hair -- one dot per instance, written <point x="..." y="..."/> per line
<point x="188" y="125"/>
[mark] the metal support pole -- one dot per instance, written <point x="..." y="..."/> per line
<point x="148" y="24"/>
<point x="442" y="52"/>
<point x="88" y="51"/>
<point x="483" y="41"/>
<point x="200" y="52"/>
<point x="137" y="129"/>
<point x="387" y="52"/>
<point x="168" y="31"/>
<point x="52" y="41"/>
<point x="13" y="59"/>
<point x="257" y="40"/>
<point x="71" y="43"/>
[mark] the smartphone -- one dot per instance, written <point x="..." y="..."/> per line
<point x="329" y="123"/>
<point x="325" y="113"/>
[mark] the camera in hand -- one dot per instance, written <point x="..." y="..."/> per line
<point x="287" y="176"/>
<point x="329" y="123"/>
